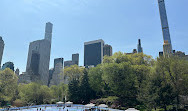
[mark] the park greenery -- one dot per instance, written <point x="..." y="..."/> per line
<point x="121" y="81"/>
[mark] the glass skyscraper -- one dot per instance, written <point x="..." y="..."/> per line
<point x="167" y="46"/>
<point x="93" y="52"/>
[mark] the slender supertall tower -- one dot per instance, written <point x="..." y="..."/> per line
<point x="48" y="31"/>
<point x="139" y="47"/>
<point x="1" y="49"/>
<point x="39" y="57"/>
<point x="167" y="46"/>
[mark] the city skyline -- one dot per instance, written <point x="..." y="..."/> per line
<point x="117" y="35"/>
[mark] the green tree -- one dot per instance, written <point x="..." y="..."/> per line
<point x="8" y="86"/>
<point x="95" y="80"/>
<point x="174" y="71"/>
<point x="121" y="80"/>
<point x="45" y="95"/>
<point x="142" y="73"/>
<point x="34" y="93"/>
<point x="56" y="92"/>
<point x="74" y="91"/>
<point x="64" y="90"/>
<point x="73" y="72"/>
<point x="86" y="93"/>
<point x="160" y="93"/>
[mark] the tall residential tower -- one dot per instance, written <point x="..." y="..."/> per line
<point x="167" y="46"/>
<point x="1" y="49"/>
<point x="39" y="57"/>
<point x="139" y="47"/>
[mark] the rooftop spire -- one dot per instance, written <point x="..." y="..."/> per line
<point x="139" y="47"/>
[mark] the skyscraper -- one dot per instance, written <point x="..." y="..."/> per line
<point x="1" y="49"/>
<point x="107" y="50"/>
<point x="93" y="52"/>
<point x="139" y="47"/>
<point x="75" y="58"/>
<point x="39" y="56"/>
<point x="167" y="46"/>
<point x="74" y="61"/>
<point x="57" y="76"/>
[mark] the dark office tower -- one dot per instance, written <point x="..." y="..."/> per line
<point x="139" y="47"/>
<point x="167" y="46"/>
<point x="1" y="49"/>
<point x="75" y="59"/>
<point x="93" y="52"/>
<point x="107" y="50"/>
<point x="39" y="56"/>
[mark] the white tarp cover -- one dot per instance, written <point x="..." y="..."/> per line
<point x="69" y="102"/>
<point x="103" y="106"/>
<point x="60" y="102"/>
<point x="131" y="109"/>
<point x="90" y="105"/>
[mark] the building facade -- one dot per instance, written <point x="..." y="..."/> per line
<point x="93" y="52"/>
<point x="57" y="76"/>
<point x="17" y="72"/>
<point x="167" y="46"/>
<point x="107" y="50"/>
<point x="68" y="63"/>
<point x="39" y="56"/>
<point x="75" y="59"/>
<point x="1" y="49"/>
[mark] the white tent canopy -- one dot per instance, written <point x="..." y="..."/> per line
<point x="103" y="106"/>
<point x="69" y="102"/>
<point x="60" y="102"/>
<point x="90" y="105"/>
<point x="131" y="109"/>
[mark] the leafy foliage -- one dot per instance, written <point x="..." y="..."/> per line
<point x="122" y="80"/>
<point x="8" y="86"/>
<point x="34" y="93"/>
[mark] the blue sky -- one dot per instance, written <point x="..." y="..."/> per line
<point x="119" y="23"/>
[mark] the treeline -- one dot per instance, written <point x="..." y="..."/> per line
<point x="19" y="95"/>
<point x="121" y="81"/>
